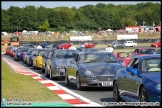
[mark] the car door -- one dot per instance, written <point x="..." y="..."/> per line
<point x="72" y="69"/>
<point x="48" y="59"/>
<point x="118" y="45"/>
<point x="132" y="81"/>
<point x="53" y="65"/>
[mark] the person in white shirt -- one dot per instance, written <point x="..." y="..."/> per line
<point x="72" y="47"/>
<point x="109" y="48"/>
<point x="39" y="47"/>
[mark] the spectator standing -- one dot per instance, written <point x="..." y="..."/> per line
<point x="39" y="47"/>
<point x="72" y="47"/>
<point x="109" y="48"/>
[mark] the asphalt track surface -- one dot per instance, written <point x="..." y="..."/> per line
<point x="96" y="94"/>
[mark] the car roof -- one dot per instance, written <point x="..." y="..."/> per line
<point x="65" y="50"/>
<point x="148" y="56"/>
<point x="145" y="48"/>
<point x="95" y="52"/>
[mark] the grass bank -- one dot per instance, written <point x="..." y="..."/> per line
<point x="24" y="87"/>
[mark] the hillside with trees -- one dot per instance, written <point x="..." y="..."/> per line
<point x="88" y="17"/>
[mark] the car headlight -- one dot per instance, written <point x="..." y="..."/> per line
<point x="60" y="67"/>
<point x="158" y="86"/>
<point x="88" y="72"/>
<point x="18" y="53"/>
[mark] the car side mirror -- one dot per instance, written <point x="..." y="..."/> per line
<point x="35" y="54"/>
<point x="121" y="61"/>
<point x="48" y="57"/>
<point x="73" y="62"/>
<point x="132" y="70"/>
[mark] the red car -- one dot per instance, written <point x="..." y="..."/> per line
<point x="65" y="45"/>
<point x="156" y="43"/>
<point x="89" y="45"/>
<point x="142" y="51"/>
<point x="8" y="49"/>
<point x="125" y="57"/>
<point x="12" y="52"/>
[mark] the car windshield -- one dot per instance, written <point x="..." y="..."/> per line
<point x="151" y="65"/>
<point x="97" y="58"/>
<point x="9" y="48"/>
<point x="34" y="51"/>
<point x="123" y="54"/>
<point x="90" y="49"/>
<point x="22" y="50"/>
<point x="145" y="51"/>
<point x="64" y="54"/>
<point x="43" y="52"/>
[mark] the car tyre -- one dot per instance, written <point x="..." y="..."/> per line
<point x="66" y="79"/>
<point x="33" y="65"/>
<point x="25" y="61"/>
<point x="116" y="96"/>
<point x="43" y="70"/>
<point x="36" y="66"/>
<point x="51" y="77"/>
<point x="143" y="95"/>
<point x="46" y="72"/>
<point x="79" y="87"/>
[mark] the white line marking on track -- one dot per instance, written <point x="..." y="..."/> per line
<point x="53" y="88"/>
<point x="66" y="96"/>
<point x="37" y="77"/>
<point x="45" y="81"/>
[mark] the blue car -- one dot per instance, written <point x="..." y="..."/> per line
<point x="43" y="45"/>
<point x="140" y="81"/>
<point x="19" y="53"/>
<point x="29" y="55"/>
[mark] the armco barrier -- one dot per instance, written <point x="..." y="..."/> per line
<point x="95" y="42"/>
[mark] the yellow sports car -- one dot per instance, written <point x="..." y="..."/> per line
<point x="37" y="58"/>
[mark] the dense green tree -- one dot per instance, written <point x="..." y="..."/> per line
<point x="88" y="17"/>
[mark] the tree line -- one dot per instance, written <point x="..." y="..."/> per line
<point x="88" y="17"/>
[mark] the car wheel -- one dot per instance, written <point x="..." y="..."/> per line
<point x="36" y="66"/>
<point x="46" y="72"/>
<point x="33" y="65"/>
<point x="156" y="45"/>
<point x="66" y="79"/>
<point x="116" y="96"/>
<point x="143" y="95"/>
<point x="51" y="77"/>
<point x="25" y="61"/>
<point x="17" y="59"/>
<point x="43" y="70"/>
<point x="14" y="58"/>
<point x="79" y="87"/>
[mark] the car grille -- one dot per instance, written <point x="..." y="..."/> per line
<point x="105" y="78"/>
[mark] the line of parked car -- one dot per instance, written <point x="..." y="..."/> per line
<point x="134" y="76"/>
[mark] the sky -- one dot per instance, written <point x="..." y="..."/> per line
<point x="53" y="4"/>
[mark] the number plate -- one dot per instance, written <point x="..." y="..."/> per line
<point x="107" y="83"/>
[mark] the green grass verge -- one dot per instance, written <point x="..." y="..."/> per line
<point x="24" y="87"/>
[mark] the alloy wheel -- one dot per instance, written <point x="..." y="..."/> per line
<point x="143" y="95"/>
<point x="116" y="96"/>
<point x="66" y="79"/>
<point x="78" y="83"/>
